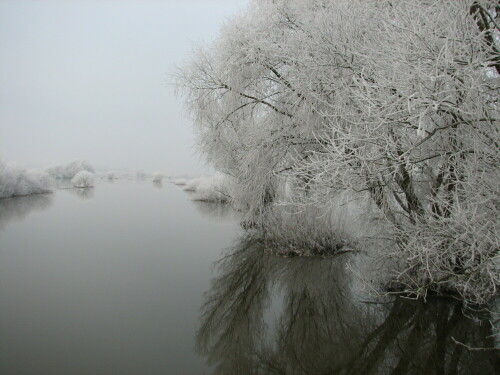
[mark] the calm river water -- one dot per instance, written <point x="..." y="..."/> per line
<point x="134" y="278"/>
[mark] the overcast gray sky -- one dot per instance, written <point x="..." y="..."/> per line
<point x="86" y="79"/>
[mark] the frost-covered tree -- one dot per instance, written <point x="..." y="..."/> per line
<point x="398" y="99"/>
<point x="83" y="179"/>
<point x="18" y="181"/>
<point x="250" y="114"/>
<point x="68" y="171"/>
<point x="158" y="176"/>
<point x="216" y="188"/>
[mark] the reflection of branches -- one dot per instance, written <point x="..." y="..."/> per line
<point x="83" y="193"/>
<point x="232" y="313"/>
<point x="18" y="207"/>
<point x="214" y="210"/>
<point x="323" y="329"/>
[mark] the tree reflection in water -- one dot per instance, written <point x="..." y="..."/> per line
<point x="82" y="193"/>
<point x="215" y="211"/>
<point x="324" y="328"/>
<point x="17" y="208"/>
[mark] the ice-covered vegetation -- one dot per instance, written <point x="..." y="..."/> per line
<point x="158" y="177"/>
<point x="111" y="175"/>
<point x="83" y="179"/>
<point x="303" y="100"/>
<point x="216" y="188"/>
<point x="68" y="171"/>
<point x="18" y="181"/>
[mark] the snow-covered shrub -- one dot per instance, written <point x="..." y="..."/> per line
<point x="111" y="175"/>
<point x="17" y="181"/>
<point x="347" y="224"/>
<point x="83" y="179"/>
<point x="308" y="232"/>
<point x="458" y="253"/>
<point x="68" y="171"/>
<point x="216" y="188"/>
<point x="157" y="177"/>
<point x="192" y="186"/>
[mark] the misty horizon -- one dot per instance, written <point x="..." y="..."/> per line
<point x="90" y="81"/>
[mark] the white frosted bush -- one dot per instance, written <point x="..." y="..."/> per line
<point x="193" y="185"/>
<point x="157" y="177"/>
<point x="83" y="179"/>
<point x="68" y="171"/>
<point x="17" y="181"/>
<point x="180" y="181"/>
<point x="111" y="175"/>
<point x="216" y="188"/>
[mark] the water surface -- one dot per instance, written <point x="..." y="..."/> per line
<point x="106" y="280"/>
<point x="120" y="279"/>
<point x="270" y="315"/>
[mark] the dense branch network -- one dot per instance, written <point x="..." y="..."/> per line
<point x="303" y="100"/>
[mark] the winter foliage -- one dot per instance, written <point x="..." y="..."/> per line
<point x="216" y="188"/>
<point x="158" y="177"/>
<point x="68" y="171"/>
<point x="180" y="181"/>
<point x="18" y="181"/>
<point x="83" y="179"/>
<point x="300" y="101"/>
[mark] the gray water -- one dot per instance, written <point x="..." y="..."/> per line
<point x="106" y="280"/>
<point x="120" y="279"/>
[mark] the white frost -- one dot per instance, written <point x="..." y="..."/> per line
<point x="68" y="171"/>
<point x="157" y="177"/>
<point x="83" y="179"/>
<point x="216" y="188"/>
<point x="17" y="181"/>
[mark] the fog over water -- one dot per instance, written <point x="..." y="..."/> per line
<point x="89" y="80"/>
